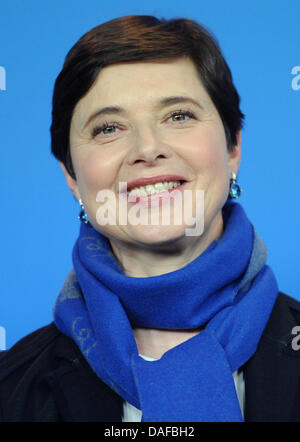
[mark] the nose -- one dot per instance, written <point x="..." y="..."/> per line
<point x="148" y="148"/>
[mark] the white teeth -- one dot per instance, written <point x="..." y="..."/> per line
<point x="151" y="189"/>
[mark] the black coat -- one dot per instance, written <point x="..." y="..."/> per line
<point x="44" y="377"/>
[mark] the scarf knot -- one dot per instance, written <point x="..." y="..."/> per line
<point x="229" y="289"/>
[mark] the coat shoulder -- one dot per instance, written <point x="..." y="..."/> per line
<point x="26" y="349"/>
<point x="292" y="303"/>
<point x="272" y="375"/>
<point x="287" y="306"/>
<point x="44" y="377"/>
<point x="24" y="369"/>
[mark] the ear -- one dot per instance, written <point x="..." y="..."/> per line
<point x="234" y="157"/>
<point x="71" y="182"/>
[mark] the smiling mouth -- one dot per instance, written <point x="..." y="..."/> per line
<point x="156" y="199"/>
<point x="151" y="184"/>
<point x="154" y="189"/>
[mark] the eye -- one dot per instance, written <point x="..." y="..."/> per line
<point x="181" y="116"/>
<point x="106" y="129"/>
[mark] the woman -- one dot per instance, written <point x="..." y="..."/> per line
<point x="155" y="322"/>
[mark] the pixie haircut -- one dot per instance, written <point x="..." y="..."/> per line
<point x="141" y="38"/>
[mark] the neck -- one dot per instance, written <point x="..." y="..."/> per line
<point x="145" y="261"/>
<point x="154" y="343"/>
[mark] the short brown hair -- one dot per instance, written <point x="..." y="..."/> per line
<point x="138" y="38"/>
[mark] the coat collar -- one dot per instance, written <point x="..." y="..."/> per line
<point x="272" y="375"/>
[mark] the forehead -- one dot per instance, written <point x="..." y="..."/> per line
<point x="142" y="84"/>
<point x="147" y="72"/>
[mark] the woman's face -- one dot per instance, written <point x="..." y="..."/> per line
<point x="154" y="118"/>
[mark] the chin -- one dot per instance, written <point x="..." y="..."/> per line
<point x="156" y="234"/>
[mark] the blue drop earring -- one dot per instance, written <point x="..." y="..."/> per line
<point x="235" y="190"/>
<point x="82" y="215"/>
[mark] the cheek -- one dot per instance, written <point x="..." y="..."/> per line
<point x="207" y="153"/>
<point x="97" y="171"/>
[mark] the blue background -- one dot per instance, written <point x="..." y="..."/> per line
<point x="260" y="40"/>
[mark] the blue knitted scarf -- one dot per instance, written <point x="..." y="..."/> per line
<point x="228" y="290"/>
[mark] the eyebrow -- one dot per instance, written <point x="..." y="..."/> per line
<point x="164" y="102"/>
<point x="177" y="100"/>
<point x="108" y="110"/>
